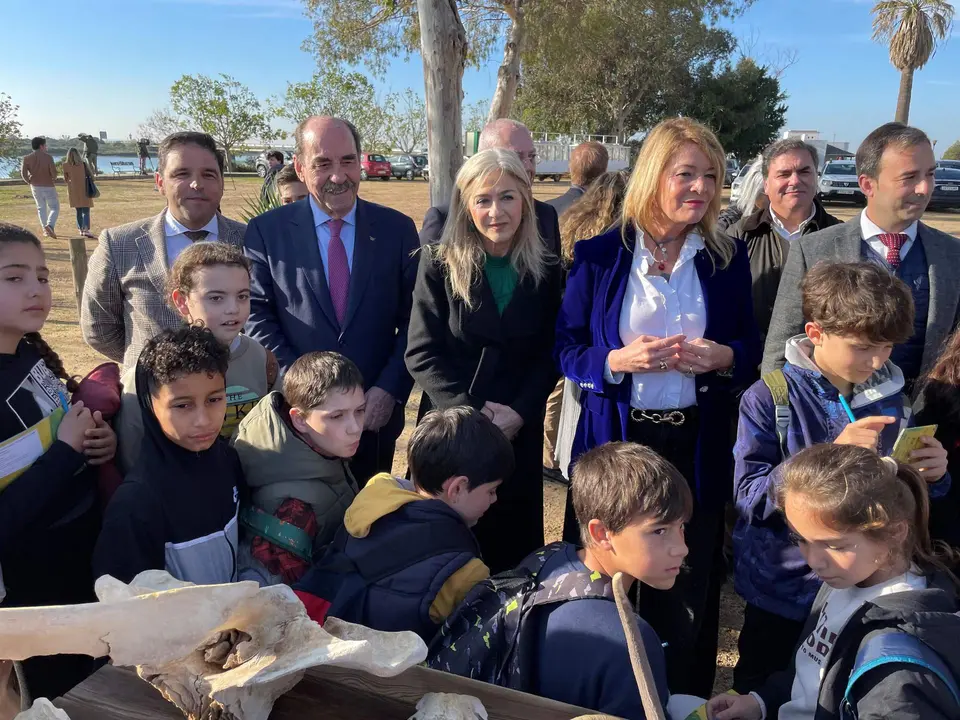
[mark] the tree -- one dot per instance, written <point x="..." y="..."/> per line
<point x="10" y="128"/>
<point x="913" y="28"/>
<point x="407" y="122"/>
<point x="444" y="53"/>
<point x="346" y="95"/>
<point x="952" y="152"/>
<point x="160" y="123"/>
<point x="474" y="115"/>
<point x="742" y="104"/>
<point x="616" y="67"/>
<point x="223" y="108"/>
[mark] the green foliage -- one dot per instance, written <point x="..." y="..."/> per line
<point x="223" y="108"/>
<point x="10" y="129"/>
<point x="258" y="205"/>
<point x="347" y="95"/>
<point x="475" y="115"/>
<point x="407" y="121"/>
<point x="743" y="104"/>
<point x="952" y="152"/>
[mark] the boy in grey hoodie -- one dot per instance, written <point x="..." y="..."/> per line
<point x="295" y="447"/>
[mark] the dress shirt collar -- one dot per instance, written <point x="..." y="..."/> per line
<point x="790" y="234"/>
<point x="173" y="227"/>
<point x="320" y="217"/>
<point x="691" y="246"/>
<point x="870" y="229"/>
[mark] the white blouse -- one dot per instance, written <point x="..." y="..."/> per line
<point x="653" y="305"/>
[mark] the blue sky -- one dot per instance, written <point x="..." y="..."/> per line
<point x="105" y="64"/>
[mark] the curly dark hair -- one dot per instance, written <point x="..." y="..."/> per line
<point x="174" y="354"/>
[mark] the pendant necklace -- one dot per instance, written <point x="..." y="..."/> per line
<point x="662" y="247"/>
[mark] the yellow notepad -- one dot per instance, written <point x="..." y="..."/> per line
<point x="22" y="450"/>
<point x="909" y="440"/>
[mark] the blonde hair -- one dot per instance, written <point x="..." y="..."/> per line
<point x="641" y="207"/>
<point x="461" y="245"/>
<point x="594" y="213"/>
<point x="73" y="157"/>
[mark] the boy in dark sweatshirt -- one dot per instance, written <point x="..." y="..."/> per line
<point x="176" y="510"/>
<point x="406" y="556"/>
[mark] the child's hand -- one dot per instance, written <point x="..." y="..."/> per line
<point x="931" y="461"/>
<point x="734" y="707"/>
<point x="74" y="426"/>
<point x="100" y="445"/>
<point x="865" y="432"/>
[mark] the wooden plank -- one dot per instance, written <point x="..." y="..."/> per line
<point x="326" y="693"/>
<point x="78" y="266"/>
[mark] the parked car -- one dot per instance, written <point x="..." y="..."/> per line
<point x="949" y="164"/>
<point x="262" y="164"/>
<point x="946" y="188"/>
<point x="838" y="181"/>
<point x="737" y="182"/>
<point x="733" y="170"/>
<point x="374" y="166"/>
<point x="404" y="166"/>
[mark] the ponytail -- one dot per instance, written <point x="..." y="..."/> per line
<point x="51" y="360"/>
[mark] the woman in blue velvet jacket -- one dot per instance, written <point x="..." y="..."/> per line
<point x="657" y="329"/>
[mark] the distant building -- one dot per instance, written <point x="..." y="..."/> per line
<point x="832" y="150"/>
<point x="805" y="135"/>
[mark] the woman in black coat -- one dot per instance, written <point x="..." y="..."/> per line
<point x="482" y="330"/>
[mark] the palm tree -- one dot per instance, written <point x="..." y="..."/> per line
<point x="912" y="28"/>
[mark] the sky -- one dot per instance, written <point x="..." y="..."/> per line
<point x="106" y="64"/>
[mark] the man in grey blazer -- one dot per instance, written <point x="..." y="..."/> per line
<point x="124" y="297"/>
<point x="895" y="164"/>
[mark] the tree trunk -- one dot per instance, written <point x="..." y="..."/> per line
<point x="903" y="98"/>
<point x="508" y="76"/>
<point x="444" y="50"/>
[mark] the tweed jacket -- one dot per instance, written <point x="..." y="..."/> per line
<point x="124" y="298"/>
<point x="842" y="243"/>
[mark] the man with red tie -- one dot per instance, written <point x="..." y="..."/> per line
<point x="895" y="165"/>
<point x="335" y="272"/>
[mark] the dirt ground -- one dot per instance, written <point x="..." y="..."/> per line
<point x="130" y="199"/>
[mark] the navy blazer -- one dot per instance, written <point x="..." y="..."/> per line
<point x="588" y="328"/>
<point x="290" y="308"/>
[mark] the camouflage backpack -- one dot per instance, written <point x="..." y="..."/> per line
<point x="488" y="637"/>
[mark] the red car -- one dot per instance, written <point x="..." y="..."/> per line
<point x="374" y="166"/>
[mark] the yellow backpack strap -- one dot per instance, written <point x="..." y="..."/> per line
<point x="776" y="382"/>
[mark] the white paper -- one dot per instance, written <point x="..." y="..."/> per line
<point x="20" y="453"/>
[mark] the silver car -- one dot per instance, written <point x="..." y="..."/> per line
<point x="838" y="181"/>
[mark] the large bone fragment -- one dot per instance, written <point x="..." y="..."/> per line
<point x="218" y="652"/>
<point x="449" y="706"/>
<point x="43" y="709"/>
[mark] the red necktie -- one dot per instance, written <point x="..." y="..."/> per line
<point x="894" y="242"/>
<point x="338" y="270"/>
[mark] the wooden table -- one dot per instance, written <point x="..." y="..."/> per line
<point x="326" y="693"/>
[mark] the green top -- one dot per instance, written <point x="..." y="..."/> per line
<point x="502" y="276"/>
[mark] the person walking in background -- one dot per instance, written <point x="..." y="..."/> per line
<point x="40" y="173"/>
<point x="143" y="152"/>
<point x="481" y="330"/>
<point x="75" y="175"/>
<point x="90" y="149"/>
<point x="275" y="165"/>
<point x="657" y="329"/>
<point x="588" y="161"/>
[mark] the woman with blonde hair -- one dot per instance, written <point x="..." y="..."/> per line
<point x="481" y="332"/>
<point x="75" y="171"/>
<point x="597" y="210"/>
<point x="657" y="329"/>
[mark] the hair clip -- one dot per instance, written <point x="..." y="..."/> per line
<point x="891" y="463"/>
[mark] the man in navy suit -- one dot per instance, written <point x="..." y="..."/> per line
<point x="334" y="272"/>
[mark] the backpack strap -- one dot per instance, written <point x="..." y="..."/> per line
<point x="776" y="383"/>
<point x="895" y="647"/>
<point x="282" y="534"/>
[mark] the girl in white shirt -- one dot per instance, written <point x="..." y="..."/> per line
<point x="861" y="522"/>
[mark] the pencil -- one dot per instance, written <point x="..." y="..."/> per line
<point x="846" y="407"/>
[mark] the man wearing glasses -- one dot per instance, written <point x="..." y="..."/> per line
<point x="508" y="135"/>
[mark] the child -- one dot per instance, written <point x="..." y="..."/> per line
<point x="294" y="449"/>
<point x="406" y="556"/>
<point x="49" y="516"/>
<point x="837" y="386"/>
<point x="209" y="285"/>
<point x="882" y="636"/>
<point x="290" y="188"/>
<point x="177" y="508"/>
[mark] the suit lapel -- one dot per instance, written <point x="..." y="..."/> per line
<point x="484" y="320"/>
<point x="227" y="232"/>
<point x="942" y="263"/>
<point x="152" y="247"/>
<point x="617" y="289"/>
<point x="307" y="251"/>
<point x="364" y="256"/>
<point x="848" y="244"/>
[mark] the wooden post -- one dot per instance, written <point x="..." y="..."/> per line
<point x="443" y="44"/>
<point x="78" y="265"/>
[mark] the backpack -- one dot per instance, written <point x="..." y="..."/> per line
<point x="894" y="647"/>
<point x="489" y="638"/>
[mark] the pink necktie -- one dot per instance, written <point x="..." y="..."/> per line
<point x="338" y="270"/>
<point x="894" y="242"/>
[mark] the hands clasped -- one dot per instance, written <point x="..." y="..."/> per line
<point x="649" y="353"/>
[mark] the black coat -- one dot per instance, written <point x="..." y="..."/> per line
<point x="562" y="203"/>
<point x="461" y="356"/>
<point x="768" y="253"/>
<point x="548" y="224"/>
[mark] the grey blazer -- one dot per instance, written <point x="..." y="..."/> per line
<point x="124" y="298"/>
<point x="841" y="243"/>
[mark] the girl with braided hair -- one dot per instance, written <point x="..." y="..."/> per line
<point x="49" y="514"/>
